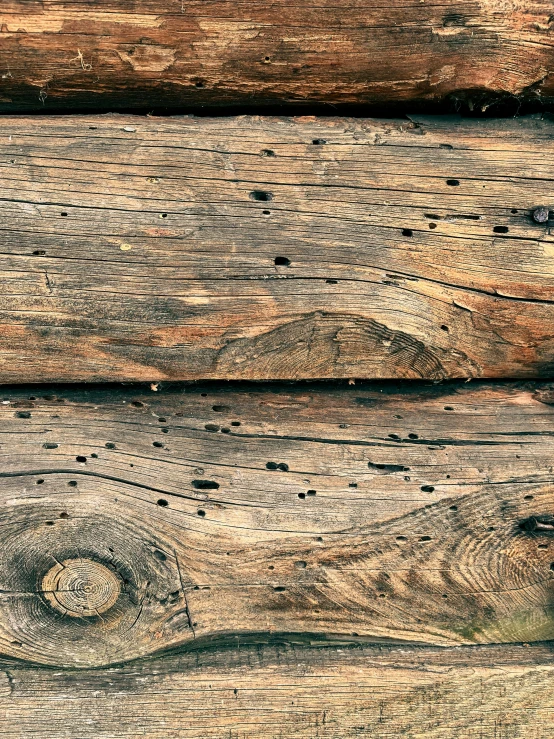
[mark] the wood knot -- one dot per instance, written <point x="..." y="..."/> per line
<point x="81" y="587"/>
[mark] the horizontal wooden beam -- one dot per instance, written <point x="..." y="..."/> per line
<point x="150" y="53"/>
<point x="269" y="692"/>
<point x="134" y="521"/>
<point x="149" y="249"/>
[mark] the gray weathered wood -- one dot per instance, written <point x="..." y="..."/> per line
<point x="250" y="248"/>
<point x="134" y="521"/>
<point x="278" y="692"/>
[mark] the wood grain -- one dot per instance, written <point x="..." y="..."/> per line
<point x="135" y="521"/>
<point x="250" y="248"/>
<point x="123" y="55"/>
<point x="277" y="692"/>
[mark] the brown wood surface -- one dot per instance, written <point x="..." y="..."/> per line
<point x="134" y="521"/>
<point x="282" y="692"/>
<point x="118" y="54"/>
<point x="138" y="248"/>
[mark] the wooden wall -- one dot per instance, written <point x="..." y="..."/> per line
<point x="276" y="419"/>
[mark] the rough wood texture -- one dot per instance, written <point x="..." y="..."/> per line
<point x="137" y="521"/>
<point x="118" y="54"/>
<point x="278" y="692"/>
<point x="146" y="249"/>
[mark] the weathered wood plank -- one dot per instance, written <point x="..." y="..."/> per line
<point x="147" y="249"/>
<point x="279" y="692"/>
<point x="135" y="521"/>
<point x="118" y="54"/>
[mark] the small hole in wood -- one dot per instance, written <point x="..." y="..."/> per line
<point x="268" y="153"/>
<point x="109" y="445"/>
<point x="444" y="327"/>
<point x="49" y="445"/>
<point x="452" y="183"/>
<point x="261" y="196"/>
<point x="162" y="502"/>
<point x="407" y="232"/>
<point x="221" y="408"/>
<point x="427" y="488"/>
<point x="39" y="253"/>
<point x="63" y="514"/>
<point x="282" y="261"/>
<point x="201" y="512"/>
<point x="432" y="226"/>
<point x="501" y="229"/>
<point x="40" y="482"/>
<point x="81" y="459"/>
<point x="205" y="484"/>
<point x="63" y="214"/>
<point x="319" y="142"/>
<point x="235" y="423"/>
<point x="157" y="444"/>
<point x="301" y="496"/>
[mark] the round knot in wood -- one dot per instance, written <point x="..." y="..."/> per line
<point x="81" y="587"/>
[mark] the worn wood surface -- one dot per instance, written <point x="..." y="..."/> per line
<point x="278" y="692"/>
<point x="251" y="248"/>
<point x="118" y="54"/>
<point x="134" y="521"/>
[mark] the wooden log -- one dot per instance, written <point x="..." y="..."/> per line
<point x="277" y="692"/>
<point x="138" y="521"/>
<point x="150" y="249"/>
<point x="144" y="54"/>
